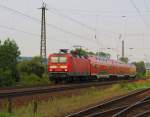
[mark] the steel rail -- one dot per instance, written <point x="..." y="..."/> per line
<point x="107" y="113"/>
<point x="50" y="89"/>
<point x="144" y="114"/>
<point x="100" y="107"/>
<point x="138" y="104"/>
<point x="39" y="86"/>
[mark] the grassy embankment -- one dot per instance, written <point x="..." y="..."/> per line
<point x="61" y="106"/>
<point x="147" y="74"/>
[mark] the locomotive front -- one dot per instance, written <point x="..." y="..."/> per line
<point x="58" y="66"/>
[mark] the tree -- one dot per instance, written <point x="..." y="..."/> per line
<point x="9" y="52"/>
<point x="103" y="54"/>
<point x="31" y="67"/>
<point x="124" y="59"/>
<point x="140" y="68"/>
<point x="91" y="53"/>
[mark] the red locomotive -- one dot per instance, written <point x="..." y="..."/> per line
<point x="68" y="67"/>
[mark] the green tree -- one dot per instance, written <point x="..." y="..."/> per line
<point x="31" y="67"/>
<point x="124" y="59"/>
<point x="9" y="52"/>
<point x="103" y="54"/>
<point x="140" y="68"/>
<point x="91" y="53"/>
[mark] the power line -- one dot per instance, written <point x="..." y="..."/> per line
<point x="146" y="6"/>
<point x="57" y="12"/>
<point x="51" y="25"/>
<point x="76" y="21"/>
<point x="18" y="30"/>
<point x="29" y="33"/>
<point x="88" y="11"/>
<point x="139" y="13"/>
<point x="80" y="23"/>
<point x="37" y="20"/>
<point x="72" y="19"/>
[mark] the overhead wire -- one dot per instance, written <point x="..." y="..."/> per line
<point x="99" y="13"/>
<point x="57" y="12"/>
<point x="18" y="30"/>
<point x="71" y="19"/>
<point x="37" y="20"/>
<point x="51" y="25"/>
<point x="25" y="32"/>
<point x="146" y="6"/>
<point x="76" y="21"/>
<point x="140" y="15"/>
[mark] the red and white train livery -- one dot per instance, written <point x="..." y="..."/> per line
<point x="66" y="66"/>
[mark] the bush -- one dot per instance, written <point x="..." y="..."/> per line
<point x="32" y="72"/>
<point x="32" y="79"/>
<point x="31" y="67"/>
<point x="140" y="68"/>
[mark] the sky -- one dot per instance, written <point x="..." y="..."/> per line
<point x="76" y="22"/>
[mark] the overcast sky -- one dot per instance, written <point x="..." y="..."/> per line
<point x="79" y="19"/>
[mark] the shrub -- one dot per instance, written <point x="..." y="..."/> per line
<point x="31" y="67"/>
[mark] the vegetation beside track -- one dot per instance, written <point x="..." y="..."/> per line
<point x="15" y="72"/>
<point x="61" y="106"/>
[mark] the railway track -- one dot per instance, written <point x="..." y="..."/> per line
<point x="120" y="107"/>
<point x="34" y="93"/>
<point x="16" y="92"/>
<point x="26" y="91"/>
<point x="45" y="92"/>
<point x="138" y="109"/>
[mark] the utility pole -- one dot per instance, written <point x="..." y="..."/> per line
<point x="122" y="48"/>
<point x="124" y="31"/>
<point x="43" y="35"/>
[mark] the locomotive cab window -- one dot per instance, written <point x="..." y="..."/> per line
<point x="54" y="59"/>
<point x="58" y="59"/>
<point x="62" y="59"/>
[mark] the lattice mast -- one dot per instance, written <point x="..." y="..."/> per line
<point x="43" y="53"/>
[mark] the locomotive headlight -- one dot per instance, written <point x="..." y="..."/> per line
<point x="53" y="67"/>
<point x="50" y="70"/>
<point x="63" y="67"/>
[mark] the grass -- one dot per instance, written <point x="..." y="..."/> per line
<point x="5" y="114"/>
<point x="147" y="73"/>
<point x="60" y="106"/>
<point x="33" y="80"/>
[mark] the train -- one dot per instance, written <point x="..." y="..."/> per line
<point x="67" y="66"/>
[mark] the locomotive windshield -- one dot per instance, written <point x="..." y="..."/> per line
<point x="58" y="59"/>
